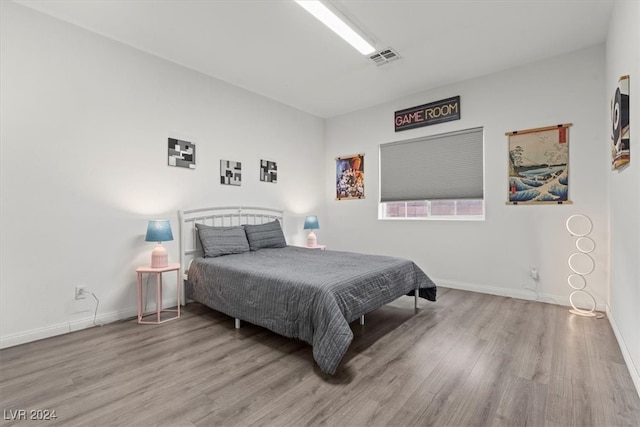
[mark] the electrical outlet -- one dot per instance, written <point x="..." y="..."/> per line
<point x="81" y="292"/>
<point x="533" y="272"/>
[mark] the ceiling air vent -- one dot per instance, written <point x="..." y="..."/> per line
<point x="384" y="56"/>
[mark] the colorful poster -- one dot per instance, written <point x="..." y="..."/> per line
<point x="620" y="127"/>
<point x="350" y="177"/>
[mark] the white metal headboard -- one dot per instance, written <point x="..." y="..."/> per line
<point x="190" y="247"/>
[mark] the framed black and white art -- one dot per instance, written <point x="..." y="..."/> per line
<point x="182" y="153"/>
<point x="230" y="172"/>
<point x="268" y="171"/>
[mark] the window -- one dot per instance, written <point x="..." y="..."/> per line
<point x="443" y="209"/>
<point x="437" y="177"/>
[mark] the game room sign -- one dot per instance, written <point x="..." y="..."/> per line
<point x="428" y="114"/>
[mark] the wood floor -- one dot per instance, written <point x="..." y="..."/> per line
<point x="468" y="359"/>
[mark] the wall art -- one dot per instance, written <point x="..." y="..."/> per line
<point x="539" y="165"/>
<point x="182" y="153"/>
<point x="230" y="172"/>
<point x="620" y="127"/>
<point x="350" y="177"/>
<point x="268" y="171"/>
<point x="432" y="113"/>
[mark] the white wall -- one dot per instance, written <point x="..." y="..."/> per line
<point x="494" y="255"/>
<point x="623" y="57"/>
<point x="84" y="129"/>
<point x="84" y="123"/>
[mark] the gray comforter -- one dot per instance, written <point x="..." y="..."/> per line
<point x="312" y="295"/>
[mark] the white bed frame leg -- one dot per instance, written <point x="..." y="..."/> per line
<point x="362" y="319"/>
<point x="237" y="323"/>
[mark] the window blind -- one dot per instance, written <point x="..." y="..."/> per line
<point x="445" y="166"/>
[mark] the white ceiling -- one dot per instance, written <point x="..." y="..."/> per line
<point x="275" y="48"/>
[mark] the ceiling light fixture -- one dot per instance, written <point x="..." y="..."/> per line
<point x="337" y="25"/>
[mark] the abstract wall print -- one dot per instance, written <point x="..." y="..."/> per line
<point x="350" y="177"/>
<point x="539" y="165"/>
<point x="620" y="127"/>
<point x="230" y="172"/>
<point x="182" y="153"/>
<point x="268" y="171"/>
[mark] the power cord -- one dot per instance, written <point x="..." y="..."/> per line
<point x="95" y="313"/>
<point x="549" y="299"/>
<point x="84" y="291"/>
<point x="538" y="299"/>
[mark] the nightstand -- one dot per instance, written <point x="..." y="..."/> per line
<point x="158" y="313"/>
<point x="318" y="247"/>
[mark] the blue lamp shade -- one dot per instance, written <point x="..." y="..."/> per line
<point x="311" y="223"/>
<point x="159" y="231"/>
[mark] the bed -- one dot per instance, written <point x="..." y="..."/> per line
<point x="311" y="295"/>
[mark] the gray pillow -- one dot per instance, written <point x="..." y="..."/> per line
<point x="218" y="241"/>
<point x="268" y="235"/>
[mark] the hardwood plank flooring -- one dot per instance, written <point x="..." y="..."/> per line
<point x="468" y="359"/>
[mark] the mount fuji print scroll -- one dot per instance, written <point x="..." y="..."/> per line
<point x="539" y="166"/>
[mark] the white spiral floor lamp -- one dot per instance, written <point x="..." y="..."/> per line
<point x="581" y="263"/>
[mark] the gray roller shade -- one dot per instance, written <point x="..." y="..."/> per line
<point x="446" y="166"/>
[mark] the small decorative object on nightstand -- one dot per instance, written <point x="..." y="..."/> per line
<point x="311" y="223"/>
<point x="319" y="247"/>
<point x="159" y="310"/>
<point x="159" y="231"/>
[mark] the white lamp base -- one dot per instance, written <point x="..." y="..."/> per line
<point x="312" y="240"/>
<point x="583" y="313"/>
<point x="159" y="257"/>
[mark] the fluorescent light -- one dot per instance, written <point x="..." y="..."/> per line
<point x="337" y="25"/>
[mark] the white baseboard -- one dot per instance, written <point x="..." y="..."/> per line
<point x="524" y="294"/>
<point x="74" y="325"/>
<point x="504" y="292"/>
<point x="633" y="371"/>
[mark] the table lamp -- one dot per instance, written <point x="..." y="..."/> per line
<point x="159" y="231"/>
<point x="311" y="223"/>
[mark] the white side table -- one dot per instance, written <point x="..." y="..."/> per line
<point x="317" y="247"/>
<point x="158" y="272"/>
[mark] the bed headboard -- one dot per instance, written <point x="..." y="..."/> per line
<point x="190" y="247"/>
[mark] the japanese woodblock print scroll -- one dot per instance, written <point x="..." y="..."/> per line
<point x="539" y="165"/>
